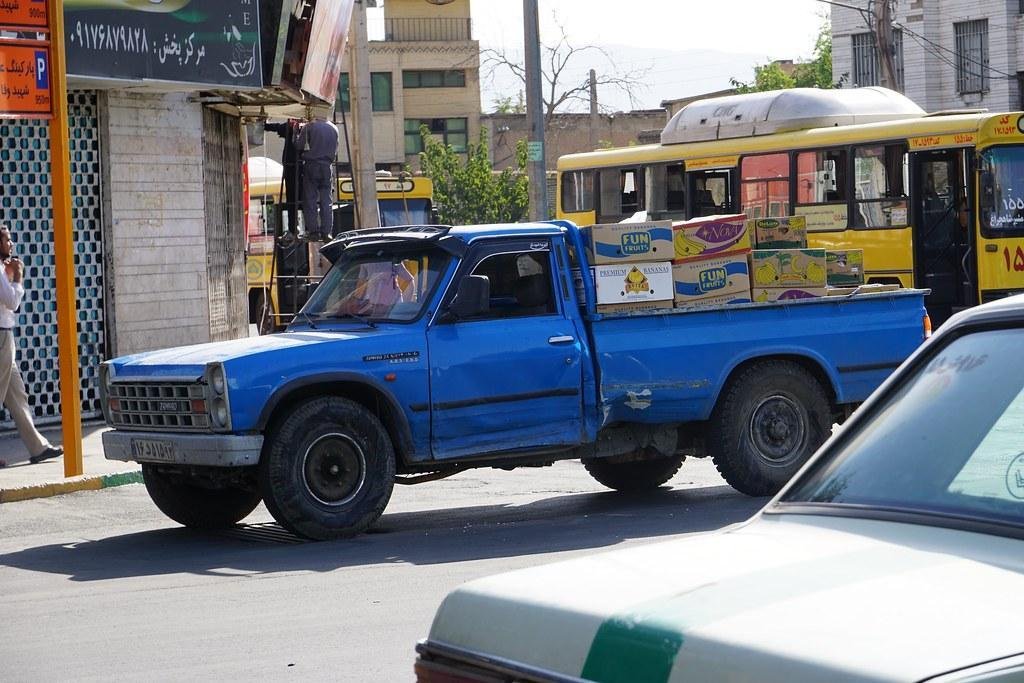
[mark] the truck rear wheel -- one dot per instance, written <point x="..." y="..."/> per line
<point x="633" y="475"/>
<point x="195" y="506"/>
<point x="327" y="469"/>
<point x="768" y="421"/>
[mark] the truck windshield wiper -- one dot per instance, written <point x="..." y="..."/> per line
<point x="308" y="319"/>
<point x="354" y="316"/>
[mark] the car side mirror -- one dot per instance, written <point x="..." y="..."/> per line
<point x="473" y="297"/>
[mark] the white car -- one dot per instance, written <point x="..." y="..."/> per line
<point x="896" y="554"/>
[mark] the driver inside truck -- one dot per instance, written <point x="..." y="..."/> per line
<point x="379" y="286"/>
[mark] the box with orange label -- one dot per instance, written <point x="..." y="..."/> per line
<point x="715" y="277"/>
<point x="787" y="268"/>
<point x="710" y="236"/>
<point x="633" y="282"/>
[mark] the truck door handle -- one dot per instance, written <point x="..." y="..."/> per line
<point x="564" y="339"/>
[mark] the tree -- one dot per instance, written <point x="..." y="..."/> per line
<point x="558" y="61"/>
<point x="510" y="105"/>
<point x="467" y="191"/>
<point x="813" y="73"/>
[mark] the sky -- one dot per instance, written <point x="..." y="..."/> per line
<point x="683" y="47"/>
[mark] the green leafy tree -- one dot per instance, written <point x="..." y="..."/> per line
<point x="510" y="105"/>
<point x="813" y="73"/>
<point x="467" y="190"/>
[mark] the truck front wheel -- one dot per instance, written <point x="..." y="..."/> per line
<point x="327" y="469"/>
<point x="633" y="475"/>
<point x="768" y="421"/>
<point x="195" y="506"/>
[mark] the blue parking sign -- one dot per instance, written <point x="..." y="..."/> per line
<point x="42" y="70"/>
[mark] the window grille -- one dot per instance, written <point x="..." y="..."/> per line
<point x="971" y="56"/>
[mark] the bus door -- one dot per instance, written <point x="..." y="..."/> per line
<point x="710" y="192"/>
<point x="943" y="256"/>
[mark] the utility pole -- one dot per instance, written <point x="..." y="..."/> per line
<point x="535" y="114"/>
<point x="594" y="119"/>
<point x="883" y="41"/>
<point x="363" y="169"/>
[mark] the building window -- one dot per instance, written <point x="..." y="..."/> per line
<point x="453" y="78"/>
<point x="866" y="70"/>
<point x="452" y="132"/>
<point x="380" y="91"/>
<point x="971" y="56"/>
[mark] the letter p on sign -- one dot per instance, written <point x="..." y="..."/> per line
<point x="42" y="71"/>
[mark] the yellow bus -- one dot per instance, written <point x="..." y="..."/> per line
<point x="934" y="200"/>
<point x="278" y="288"/>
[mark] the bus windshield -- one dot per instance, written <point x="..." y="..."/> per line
<point x="404" y="212"/>
<point x="381" y="284"/>
<point x="1002" y="189"/>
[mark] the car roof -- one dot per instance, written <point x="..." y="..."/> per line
<point x="1002" y="310"/>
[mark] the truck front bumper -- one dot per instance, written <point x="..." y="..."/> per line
<point x="207" y="450"/>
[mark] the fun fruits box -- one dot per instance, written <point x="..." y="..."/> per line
<point x="785" y="268"/>
<point x="710" y="236"/>
<point x="788" y="232"/>
<point x="632" y="282"/>
<point x="845" y="267"/>
<point x="630" y="242"/>
<point x="714" y="301"/>
<point x="715" y="277"/>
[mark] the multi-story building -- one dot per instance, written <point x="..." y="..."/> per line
<point x="948" y="54"/>
<point x="425" y="72"/>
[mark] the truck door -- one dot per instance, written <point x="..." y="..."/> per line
<point x="509" y="376"/>
<point x="943" y="258"/>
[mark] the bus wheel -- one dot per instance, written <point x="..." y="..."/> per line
<point x="327" y="469"/>
<point x="769" y="420"/>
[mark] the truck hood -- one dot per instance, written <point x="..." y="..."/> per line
<point x="789" y="598"/>
<point x="190" y="360"/>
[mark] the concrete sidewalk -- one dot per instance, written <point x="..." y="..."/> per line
<point x="21" y="480"/>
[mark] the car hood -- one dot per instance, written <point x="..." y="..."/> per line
<point x="783" y="598"/>
<point x="191" y="360"/>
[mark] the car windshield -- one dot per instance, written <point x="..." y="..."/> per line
<point x="1002" y="196"/>
<point x="381" y="284"/>
<point x="949" y="441"/>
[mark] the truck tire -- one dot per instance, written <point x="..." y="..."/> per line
<point x="634" y="475"/>
<point x="195" y="506"/>
<point x="327" y="469"/>
<point x="768" y="421"/>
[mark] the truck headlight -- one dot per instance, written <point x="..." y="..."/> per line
<point x="221" y="416"/>
<point x="217" y="380"/>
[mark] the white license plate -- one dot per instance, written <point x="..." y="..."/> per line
<point x="152" y="449"/>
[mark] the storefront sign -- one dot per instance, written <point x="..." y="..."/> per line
<point x="208" y="42"/>
<point x="25" y="79"/>
<point x="326" y="47"/>
<point x="23" y="14"/>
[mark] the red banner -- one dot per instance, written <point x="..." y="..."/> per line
<point x="23" y="14"/>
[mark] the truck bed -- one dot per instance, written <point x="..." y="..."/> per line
<point x="669" y="365"/>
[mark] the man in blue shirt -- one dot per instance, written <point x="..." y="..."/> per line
<point x="318" y="141"/>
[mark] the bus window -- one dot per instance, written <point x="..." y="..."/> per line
<point x="665" y="190"/>
<point x="880" y="191"/>
<point x="711" y="192"/>
<point x="621" y="193"/>
<point x="577" y="191"/>
<point x="764" y="185"/>
<point x="821" y="179"/>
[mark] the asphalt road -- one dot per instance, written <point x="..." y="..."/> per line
<point x="99" y="585"/>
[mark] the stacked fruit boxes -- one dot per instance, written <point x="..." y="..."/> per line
<point x="710" y="265"/>
<point x="632" y="265"/>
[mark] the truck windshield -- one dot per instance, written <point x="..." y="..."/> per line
<point x="947" y="443"/>
<point x="379" y="284"/>
<point x="1002" y="189"/>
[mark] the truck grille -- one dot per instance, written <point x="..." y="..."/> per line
<point x="164" y="405"/>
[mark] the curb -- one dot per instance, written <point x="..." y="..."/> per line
<point x="85" y="484"/>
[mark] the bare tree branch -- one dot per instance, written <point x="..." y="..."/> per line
<point x="559" y="59"/>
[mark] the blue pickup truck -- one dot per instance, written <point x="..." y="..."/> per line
<point x="428" y="350"/>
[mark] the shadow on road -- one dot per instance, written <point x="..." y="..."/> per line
<point x="560" y="523"/>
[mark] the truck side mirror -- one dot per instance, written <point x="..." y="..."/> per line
<point x="473" y="297"/>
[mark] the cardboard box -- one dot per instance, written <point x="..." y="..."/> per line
<point x="710" y="236"/>
<point x="714" y="301"/>
<point x="634" y="306"/>
<point x="789" y="232"/>
<point x="787" y="268"/>
<point x="775" y="294"/>
<point x="861" y="289"/>
<point x="722" y="276"/>
<point x="633" y="282"/>
<point x="845" y="267"/>
<point x="630" y="242"/>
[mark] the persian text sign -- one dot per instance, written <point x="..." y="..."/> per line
<point x="209" y="42"/>
<point x="25" y="79"/>
<point x="22" y="14"/>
